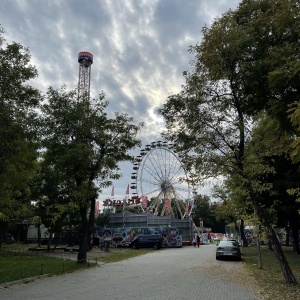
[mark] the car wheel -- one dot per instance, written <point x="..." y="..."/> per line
<point x="133" y="246"/>
<point x="217" y="258"/>
<point x="155" y="247"/>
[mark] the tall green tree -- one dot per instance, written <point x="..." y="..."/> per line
<point x="206" y="210"/>
<point x="18" y="129"/>
<point x="294" y="115"/>
<point x="84" y="147"/>
<point x="209" y="120"/>
<point x="52" y="192"/>
<point x="236" y="74"/>
<point x="271" y="67"/>
<point x="273" y="174"/>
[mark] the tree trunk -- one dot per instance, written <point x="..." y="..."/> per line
<point x="83" y="237"/>
<point x="49" y="240"/>
<point x="39" y="235"/>
<point x="245" y="243"/>
<point x="295" y="231"/>
<point x="258" y="249"/>
<point x="92" y="220"/>
<point x="270" y="245"/>
<point x="285" y="268"/>
<point x="287" y="236"/>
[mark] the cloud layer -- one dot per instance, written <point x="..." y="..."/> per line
<point x="139" y="47"/>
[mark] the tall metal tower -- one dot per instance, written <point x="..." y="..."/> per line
<point x="85" y="60"/>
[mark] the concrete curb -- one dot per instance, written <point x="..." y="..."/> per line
<point x="21" y="281"/>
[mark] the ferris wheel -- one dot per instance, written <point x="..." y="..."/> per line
<point x="160" y="176"/>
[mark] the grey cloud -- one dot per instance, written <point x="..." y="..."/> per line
<point x="139" y="47"/>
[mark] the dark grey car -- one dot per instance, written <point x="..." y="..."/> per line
<point x="147" y="241"/>
<point x="228" y="249"/>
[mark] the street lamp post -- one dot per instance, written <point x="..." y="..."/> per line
<point x="201" y="225"/>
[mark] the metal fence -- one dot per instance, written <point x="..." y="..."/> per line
<point x="20" y="271"/>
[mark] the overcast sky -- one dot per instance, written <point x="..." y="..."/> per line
<point x="140" y="50"/>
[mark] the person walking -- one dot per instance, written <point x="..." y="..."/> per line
<point x="198" y="240"/>
<point x="195" y="241"/>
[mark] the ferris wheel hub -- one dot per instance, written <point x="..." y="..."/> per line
<point x="166" y="186"/>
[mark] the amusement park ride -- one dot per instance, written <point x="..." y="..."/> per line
<point x="159" y="184"/>
<point x="85" y="60"/>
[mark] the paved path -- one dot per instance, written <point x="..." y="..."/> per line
<point x="184" y="273"/>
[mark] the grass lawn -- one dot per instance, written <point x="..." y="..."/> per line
<point x="15" y="266"/>
<point x="270" y="280"/>
<point x="19" y="265"/>
<point x="118" y="254"/>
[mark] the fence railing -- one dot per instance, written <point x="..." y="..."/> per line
<point x="21" y="270"/>
<point x="43" y="252"/>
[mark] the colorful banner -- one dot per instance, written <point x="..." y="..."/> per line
<point x="172" y="237"/>
<point x="144" y="201"/>
<point x="97" y="207"/>
<point x="167" y="205"/>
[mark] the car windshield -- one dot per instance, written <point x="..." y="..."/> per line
<point x="227" y="243"/>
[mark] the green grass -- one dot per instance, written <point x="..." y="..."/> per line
<point x="15" y="266"/>
<point x="270" y="280"/>
<point x="19" y="265"/>
<point x="119" y="254"/>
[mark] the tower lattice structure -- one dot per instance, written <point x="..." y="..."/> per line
<point x="85" y="60"/>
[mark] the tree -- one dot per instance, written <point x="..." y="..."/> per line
<point x="273" y="173"/>
<point x="206" y="210"/>
<point x="102" y="219"/>
<point x="84" y="147"/>
<point x="236" y="74"/>
<point x="294" y="115"/>
<point x="18" y="129"/>
<point x="234" y="207"/>
<point x="271" y="69"/>
<point x="54" y="205"/>
<point x="208" y="120"/>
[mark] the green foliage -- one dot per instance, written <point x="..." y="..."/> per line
<point x="102" y="219"/>
<point x="270" y="71"/>
<point x="83" y="148"/>
<point x="246" y="65"/>
<point x="271" y="172"/>
<point x="18" y="129"/>
<point x="234" y="202"/>
<point x="207" y="210"/>
<point x="294" y="115"/>
<point x="82" y="142"/>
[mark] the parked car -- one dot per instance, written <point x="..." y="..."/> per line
<point x="147" y="241"/>
<point x="228" y="249"/>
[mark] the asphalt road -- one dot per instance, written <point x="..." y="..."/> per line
<point x="176" y="273"/>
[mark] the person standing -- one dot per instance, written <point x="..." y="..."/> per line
<point x="195" y="241"/>
<point x="209" y="237"/>
<point x="198" y="240"/>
